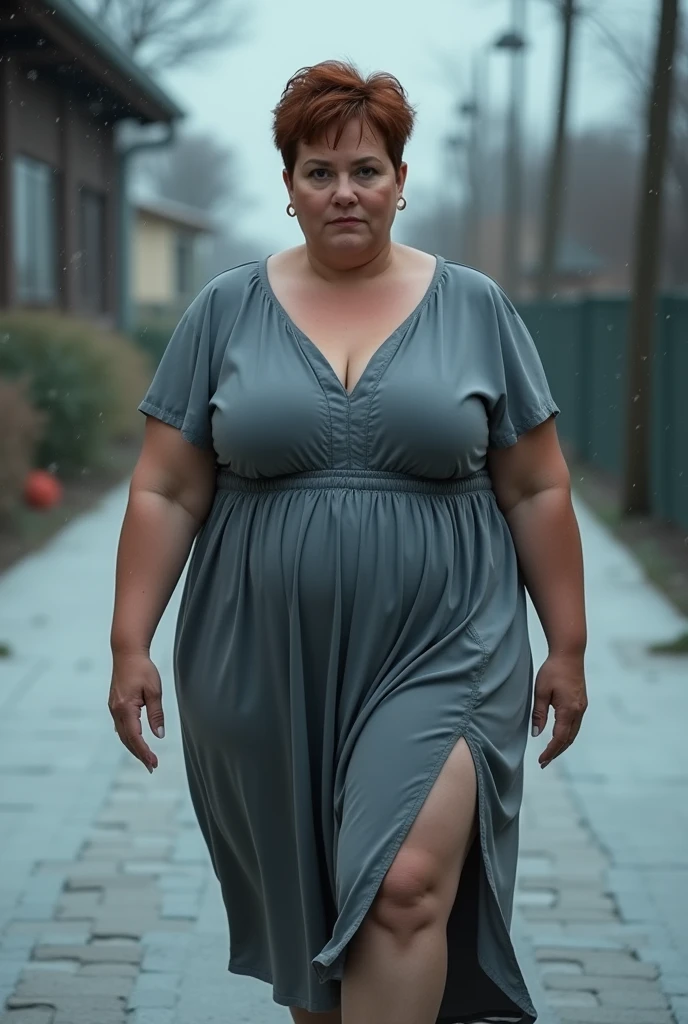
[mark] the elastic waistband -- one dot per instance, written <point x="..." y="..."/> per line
<point x="353" y="479"/>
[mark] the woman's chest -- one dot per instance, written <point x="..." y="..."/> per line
<point x="280" y="405"/>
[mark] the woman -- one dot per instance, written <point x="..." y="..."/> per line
<point x="360" y="439"/>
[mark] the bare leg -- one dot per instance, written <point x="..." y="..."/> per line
<point x="396" y="967"/>
<point x="303" y="1017"/>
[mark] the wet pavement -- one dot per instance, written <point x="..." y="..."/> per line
<point x="109" y="912"/>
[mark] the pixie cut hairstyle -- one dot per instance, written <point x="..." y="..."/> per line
<point x="327" y="96"/>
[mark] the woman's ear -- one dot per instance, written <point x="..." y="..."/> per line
<point x="401" y="176"/>
<point x="286" y="178"/>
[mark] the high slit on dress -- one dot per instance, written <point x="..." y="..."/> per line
<point x="352" y="608"/>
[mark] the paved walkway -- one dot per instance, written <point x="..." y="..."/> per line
<point x="109" y="912"/>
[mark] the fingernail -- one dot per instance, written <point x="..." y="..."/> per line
<point x="536" y="731"/>
<point x="150" y="768"/>
<point x="545" y="764"/>
<point x="160" y="732"/>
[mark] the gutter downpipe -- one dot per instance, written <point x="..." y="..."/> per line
<point x="124" y="224"/>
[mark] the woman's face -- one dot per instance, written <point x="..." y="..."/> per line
<point x="345" y="198"/>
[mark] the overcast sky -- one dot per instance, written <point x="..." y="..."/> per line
<point x="427" y="44"/>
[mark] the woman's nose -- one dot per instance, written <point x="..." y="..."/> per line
<point x="345" y="192"/>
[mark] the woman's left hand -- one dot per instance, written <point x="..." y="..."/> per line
<point x="561" y="684"/>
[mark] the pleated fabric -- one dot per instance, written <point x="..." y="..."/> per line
<point x="352" y="608"/>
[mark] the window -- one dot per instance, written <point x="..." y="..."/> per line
<point x="184" y="281"/>
<point x="92" y="246"/>
<point x="35" y="249"/>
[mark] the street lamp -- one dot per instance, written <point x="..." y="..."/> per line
<point x="456" y="146"/>
<point x="476" y="108"/>
<point x="514" y="42"/>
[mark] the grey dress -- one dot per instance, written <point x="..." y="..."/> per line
<point x="352" y="608"/>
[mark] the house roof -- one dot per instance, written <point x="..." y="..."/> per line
<point x="74" y="34"/>
<point x="176" y="213"/>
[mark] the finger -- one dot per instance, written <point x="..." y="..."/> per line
<point x="575" y="728"/>
<point x="560" y="735"/>
<point x="129" y="730"/>
<point x="540" y="712"/>
<point x="154" y="713"/>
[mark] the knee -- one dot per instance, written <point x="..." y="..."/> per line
<point x="409" y="897"/>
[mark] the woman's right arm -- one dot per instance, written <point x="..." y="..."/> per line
<point x="170" y="496"/>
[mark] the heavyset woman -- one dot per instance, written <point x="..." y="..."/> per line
<point x="359" y="437"/>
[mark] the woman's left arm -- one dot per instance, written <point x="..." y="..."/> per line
<point x="533" y="490"/>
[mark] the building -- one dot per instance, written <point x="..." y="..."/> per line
<point x="64" y="89"/>
<point x="171" y="247"/>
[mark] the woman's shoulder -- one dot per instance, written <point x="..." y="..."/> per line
<point x="230" y="283"/>
<point x="472" y="282"/>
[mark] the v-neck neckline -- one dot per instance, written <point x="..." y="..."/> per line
<point x="384" y="345"/>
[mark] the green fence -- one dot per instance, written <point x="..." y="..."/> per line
<point x="583" y="345"/>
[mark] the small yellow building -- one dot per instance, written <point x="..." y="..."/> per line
<point x="171" y="244"/>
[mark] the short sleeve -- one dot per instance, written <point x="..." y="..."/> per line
<point x="181" y="390"/>
<point x="522" y="400"/>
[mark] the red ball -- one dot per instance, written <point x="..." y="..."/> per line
<point x="42" y="489"/>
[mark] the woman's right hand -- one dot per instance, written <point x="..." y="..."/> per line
<point x="136" y="683"/>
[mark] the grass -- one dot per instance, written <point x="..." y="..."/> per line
<point x="661" y="549"/>
<point x="679" y="646"/>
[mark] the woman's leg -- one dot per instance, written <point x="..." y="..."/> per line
<point x="303" y="1017"/>
<point x="396" y="967"/>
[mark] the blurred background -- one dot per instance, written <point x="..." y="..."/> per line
<point x="551" y="152"/>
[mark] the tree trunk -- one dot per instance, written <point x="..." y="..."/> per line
<point x="636" y="484"/>
<point x="555" y="183"/>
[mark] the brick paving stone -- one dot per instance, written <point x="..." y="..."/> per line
<point x="157" y="999"/>
<point x="181" y="904"/>
<point x="56" y="985"/>
<point x="64" y="966"/>
<point x="165" y="953"/>
<point x="597" y="983"/>
<point x="567" y="915"/>
<point x="78" y="882"/>
<point x="124" y="922"/>
<point x="33" y="1015"/>
<point x="621" y="997"/>
<point x="601" y="962"/>
<point x="109" y="970"/>
<point x="77" y="906"/>
<point x="85" y="1012"/>
<point x="65" y="933"/>
<point x="586" y="1000"/>
<point x="605" y="1015"/>
<point x="94" y="952"/>
<point x="152" y="1016"/>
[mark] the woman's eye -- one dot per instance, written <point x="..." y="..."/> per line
<point x="367" y="172"/>
<point x="317" y="172"/>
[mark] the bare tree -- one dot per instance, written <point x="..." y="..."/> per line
<point x="648" y="237"/>
<point x="174" y="172"/>
<point x="629" y="53"/>
<point x="601" y="196"/>
<point x="169" y="33"/>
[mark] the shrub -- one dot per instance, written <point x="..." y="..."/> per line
<point x="20" y="430"/>
<point x="152" y="334"/>
<point x="85" y="379"/>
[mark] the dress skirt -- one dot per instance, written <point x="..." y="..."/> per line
<point x="339" y="633"/>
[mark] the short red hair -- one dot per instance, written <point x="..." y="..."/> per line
<point x="330" y="94"/>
